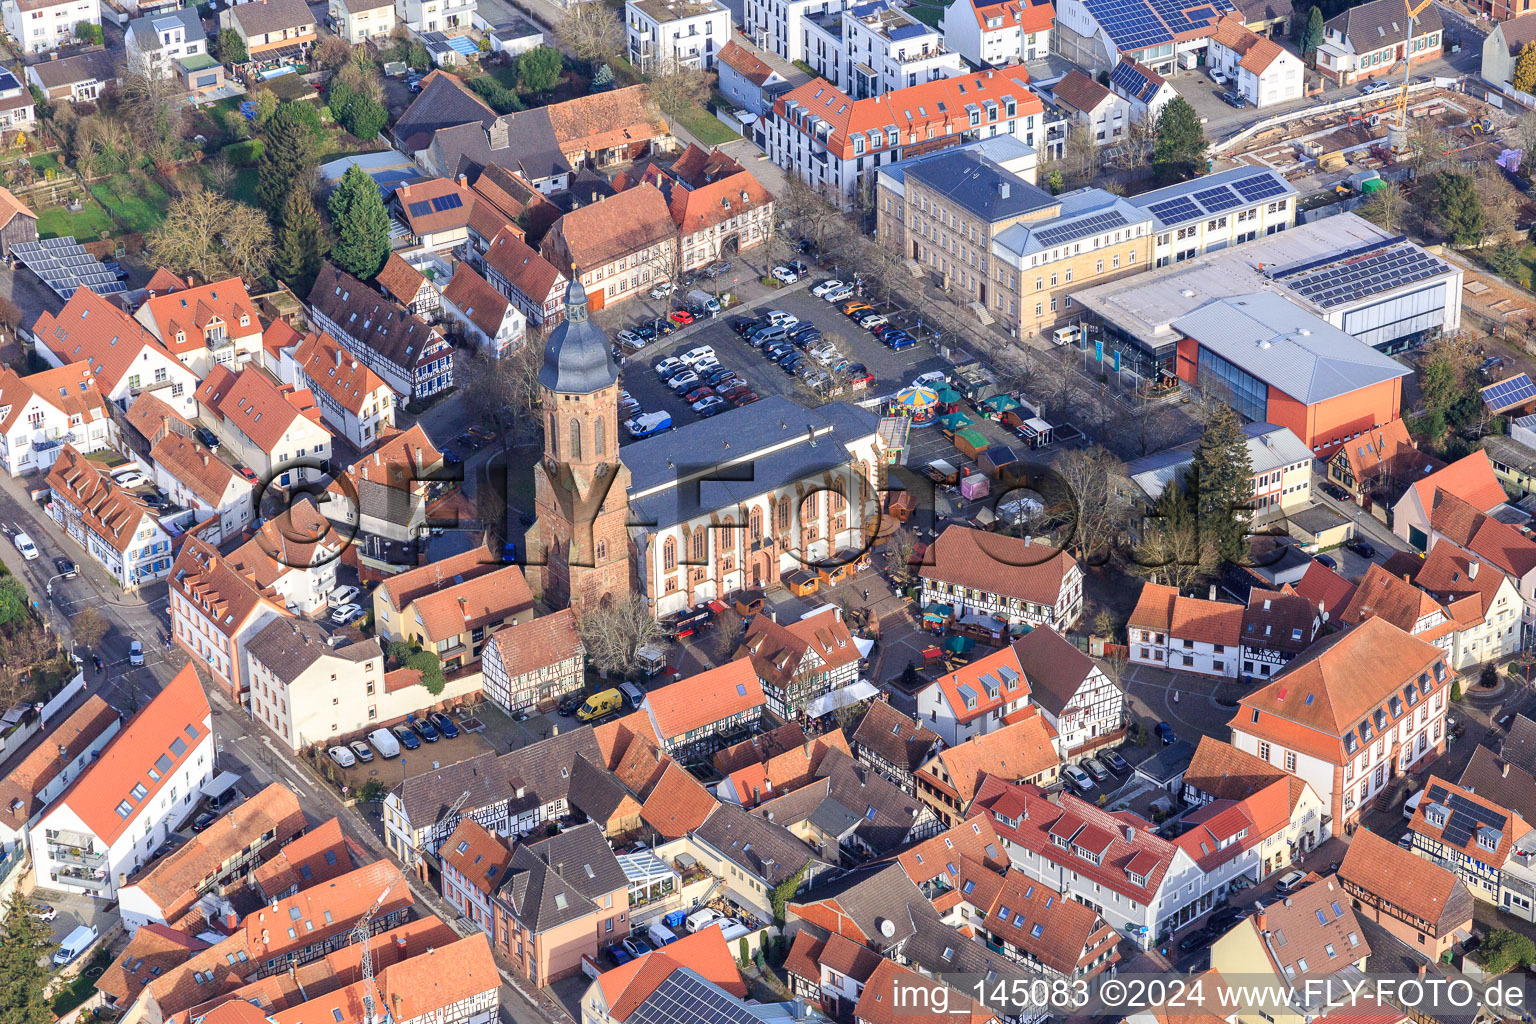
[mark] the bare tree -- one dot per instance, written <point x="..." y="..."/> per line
<point x="1386" y="207"/>
<point x="89" y="627"/>
<point x="1058" y="384"/>
<point x="591" y="32"/>
<point x="613" y="632"/>
<point x="727" y="632"/>
<point x="211" y="236"/>
<point x="1151" y="426"/>
<point x="1085" y="498"/>
<point x="676" y="89"/>
<point x="221" y="173"/>
<point x="1079" y="155"/>
<point x="899" y="552"/>
<point x="1173" y="548"/>
<point x="1136" y="154"/>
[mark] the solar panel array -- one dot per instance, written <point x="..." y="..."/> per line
<point x="451" y="201"/>
<point x="420" y="208"/>
<point x="1130" y="80"/>
<point x="683" y="998"/>
<point x="1466" y="816"/>
<point x="1257" y="187"/>
<point x="1219" y="198"/>
<point x="1509" y="392"/>
<point x="1132" y="25"/>
<point x="1081" y="228"/>
<point x="1339" y="282"/>
<point x="1173" y="211"/>
<point x="64" y="265"/>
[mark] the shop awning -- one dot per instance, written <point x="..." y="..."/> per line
<point x="847" y="696"/>
<point x="864" y="646"/>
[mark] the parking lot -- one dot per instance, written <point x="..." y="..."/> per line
<point x="892" y="370"/>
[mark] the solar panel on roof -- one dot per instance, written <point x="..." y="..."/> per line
<point x="451" y="201"/>
<point x="1510" y="392"/>
<point x="1465" y="817"/>
<point x="420" y="208"/>
<point x="1259" y="186"/>
<point x="1363" y="273"/>
<point x="64" y="265"/>
<point x="1217" y="199"/>
<point x="1174" y="211"/>
<point x="1081" y="229"/>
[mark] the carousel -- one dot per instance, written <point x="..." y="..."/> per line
<point x="919" y="404"/>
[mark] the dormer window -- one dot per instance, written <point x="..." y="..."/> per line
<point x="1488" y="838"/>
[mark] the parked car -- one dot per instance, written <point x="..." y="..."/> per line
<point x="346" y="613"/>
<point x="716" y="376"/>
<point x="1488" y="366"/>
<point x="745" y="398"/>
<point x="208" y="438"/>
<point x="1098" y="771"/>
<point x="423" y="728"/>
<point x="1166" y="734"/>
<point x="858" y="375"/>
<point x="568" y="705"/>
<point x="839" y="294"/>
<point x="682" y="316"/>
<point x="699" y="393"/>
<point x="131" y="480"/>
<point x="1115" y="761"/>
<point x="743" y="325"/>
<point x="1077" y="778"/>
<point x="870" y="320"/>
<point x="636" y="946"/>
<point x="1363" y="548"/>
<point x="694" y="356"/>
<point x="896" y="344"/>
<point x="669" y="367"/>
<point x="1334" y="491"/>
<point x="683" y="380"/>
<point x="249" y="474"/>
<point x="1233" y="99"/>
<point x="1325" y="560"/>
<point x="630" y="338"/>
<point x="409" y="740"/>
<point x="42" y="911"/>
<point x="821" y="290"/>
<point x="65" y="568"/>
<point x="342" y="595"/>
<point x="710" y="406"/>
<point x="854" y="307"/>
<point x="1218" y="77"/>
<point x="445" y="725"/>
<point x="361" y="751"/>
<point x="202" y="821"/>
<point x="1196" y="940"/>
<point x="620" y="955"/>
<point x="342" y="756"/>
<point x="779" y="318"/>
<point x="647" y="424"/>
<point x="663" y="289"/>
<point x="785" y="275"/>
<point x="1289" y="882"/>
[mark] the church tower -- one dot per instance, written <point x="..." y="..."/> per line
<point x="579" y="545"/>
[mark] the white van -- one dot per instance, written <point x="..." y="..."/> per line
<point x="75" y="943"/>
<point x="1067" y="335"/>
<point x="701" y="919"/>
<point x="25" y="546"/>
<point x="1412" y="804"/>
<point x="660" y="935"/>
<point x="633" y="695"/>
<point x="385" y="743"/>
<point x="648" y="423"/>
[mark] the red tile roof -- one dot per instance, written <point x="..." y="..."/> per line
<point x="523" y="267"/>
<point x="745" y="63"/>
<point x="258" y="406"/>
<point x="538" y="643"/>
<point x="678" y="804"/>
<point x="1212" y="622"/>
<point x="705" y="952"/>
<point x="1327" y="692"/>
<point x="974" y="840"/>
<point x="1154" y="608"/>
<point x="474" y="603"/>
<point x="1016" y="15"/>
<point x="1384" y="595"/>
<point x="477" y="854"/>
<point x="1477" y="813"/>
<point x="331" y="368"/>
<point x="71" y="389"/>
<point x="399" y="279"/>
<point x="173" y="725"/>
<point x="880" y="1002"/>
<point x="782" y="773"/>
<point x="711" y="696"/>
<point x="48" y="755"/>
<point x="1322" y="586"/>
<point x="611" y="229"/>
<point x="182" y="318"/>
<point x="111" y="512"/>
<point x="998" y="564"/>
<point x="483" y="305"/>
<point x="1080" y="92"/>
<point x="432" y="192"/>
<point x="1469" y="478"/>
<point x="438" y="981"/>
<point x="317" y="856"/>
<point x="938" y="107"/>
<point x="993" y="682"/>
<point x="1022" y="750"/>
<point x="1406" y="881"/>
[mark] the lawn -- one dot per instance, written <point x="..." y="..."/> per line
<point x="87" y="225"/>
<point x="706" y="127"/>
<point x="927" y="13"/>
<point x="82" y="985"/>
<point x="1527" y="265"/>
<point x="45" y="162"/>
<point x="138" y="203"/>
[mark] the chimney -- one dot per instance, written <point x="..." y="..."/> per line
<point x="1423" y="970"/>
<point x="1472" y="570"/>
<point x="1261" y="921"/>
<point x="1504" y="770"/>
<point x="338" y="358"/>
<point x="1004" y="189"/>
<point x="1130" y="833"/>
<point x="463" y="181"/>
<point x="1213" y="592"/>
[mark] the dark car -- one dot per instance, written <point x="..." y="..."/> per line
<point x="1325" y="560"/>
<point x="202" y="821"/>
<point x="208" y="438"/>
<point x="407" y="738"/>
<point x="569" y="705"/>
<point x="470" y="441"/>
<point x="803" y="328"/>
<point x="1232" y="99"/>
<point x="646" y="331"/>
<point x="1224" y="918"/>
<point x="777" y="350"/>
<point x="1363" y="548"/>
<point x="897" y="343"/>
<point x="716" y="376"/>
<point x="65" y="568"/>
<point x="807" y="339"/>
<point x="858" y="373"/>
<point x="1489" y="365"/>
<point x="742" y="324"/>
<point x="451" y="457"/>
<point x="444" y="725"/>
<point x="1335" y="492"/>
<point x="1115" y="762"/>
<point x="1166" y="734"/>
<point x="793" y="363"/>
<point x="1196" y="940"/>
<point x="423" y="728"/>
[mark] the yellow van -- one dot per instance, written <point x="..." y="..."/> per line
<point x="600" y="704"/>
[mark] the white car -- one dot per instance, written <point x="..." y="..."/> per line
<point x="131" y="480"/>
<point x="135" y="653"/>
<point x="25" y="546"/>
<point x="1218" y="77"/>
<point x="670" y="367"/>
<point x="346" y="613"/>
<point x="695" y="356"/>
<point x="820" y="291"/>
<point x="785" y="275"/>
<point x="839" y="294"/>
<point x="342" y="595"/>
<point x="630" y="338"/>
<point x="827" y="356"/>
<point x="342" y="756"/>
<point x="931" y="379"/>
<point x="662" y="290"/>
<point x="779" y="318"/>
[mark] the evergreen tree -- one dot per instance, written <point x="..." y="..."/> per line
<point x="1180" y="149"/>
<point x="538" y="69"/>
<point x="1458" y="210"/>
<point x="1222" y="482"/>
<point x="1312" y="35"/>
<point x="300" y="243"/>
<point x="285" y="159"/>
<point x="1525" y="68"/>
<point x="361" y="225"/>
<point x="21" y="979"/>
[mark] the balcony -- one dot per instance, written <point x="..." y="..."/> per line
<point x="86" y="880"/>
<point x="158" y="385"/>
<point x="80" y="855"/>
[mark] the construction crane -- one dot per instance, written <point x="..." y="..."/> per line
<point x="361" y="935"/>
<point x="1397" y="130"/>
